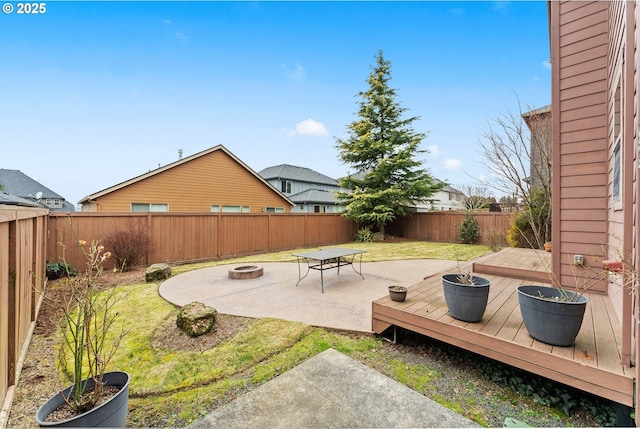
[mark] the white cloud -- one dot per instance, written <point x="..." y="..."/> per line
<point x="433" y="151"/>
<point x="547" y="64"/>
<point x="308" y="127"/>
<point x="295" y="72"/>
<point x="452" y="164"/>
<point x="180" y="36"/>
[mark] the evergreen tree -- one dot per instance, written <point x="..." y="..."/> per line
<point x="382" y="148"/>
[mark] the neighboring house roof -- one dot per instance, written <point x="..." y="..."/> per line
<point x="314" y="196"/>
<point x="159" y="170"/>
<point x="12" y="200"/>
<point x="300" y="174"/>
<point x="537" y="112"/>
<point x="18" y="184"/>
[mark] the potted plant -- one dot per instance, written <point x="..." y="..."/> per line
<point x="90" y="337"/>
<point x="466" y="295"/>
<point x="553" y="314"/>
<point x="398" y="293"/>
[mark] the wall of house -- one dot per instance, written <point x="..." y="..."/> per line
<point x="194" y="186"/>
<point x="297" y="187"/>
<point x="580" y="145"/>
<point x="619" y="210"/>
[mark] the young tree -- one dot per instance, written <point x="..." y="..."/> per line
<point x="517" y="151"/>
<point x="382" y="148"/>
<point x="474" y="196"/>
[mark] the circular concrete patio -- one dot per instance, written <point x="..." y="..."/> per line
<point x="345" y="303"/>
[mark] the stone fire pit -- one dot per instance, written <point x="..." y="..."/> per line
<point x="246" y="272"/>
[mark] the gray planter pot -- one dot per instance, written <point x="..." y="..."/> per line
<point x="552" y="322"/>
<point x="466" y="302"/>
<point x="112" y="413"/>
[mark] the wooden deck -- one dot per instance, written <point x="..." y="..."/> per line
<point x="592" y="364"/>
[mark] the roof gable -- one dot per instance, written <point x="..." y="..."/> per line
<point x="181" y="162"/>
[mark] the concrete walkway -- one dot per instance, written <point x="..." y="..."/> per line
<point x="345" y="303"/>
<point x="332" y="390"/>
<point x="329" y="390"/>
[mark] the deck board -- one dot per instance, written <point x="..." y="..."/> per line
<point x="592" y="364"/>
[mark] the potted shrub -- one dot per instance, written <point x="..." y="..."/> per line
<point x="466" y="295"/>
<point x="96" y="398"/>
<point x="553" y="314"/>
<point x="398" y="293"/>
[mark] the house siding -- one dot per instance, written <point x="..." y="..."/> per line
<point x="594" y="50"/>
<point x="212" y="179"/>
<point x="580" y="149"/>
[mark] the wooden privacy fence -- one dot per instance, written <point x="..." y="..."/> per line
<point x="182" y="237"/>
<point x="23" y="236"/>
<point x="443" y="226"/>
<point x="188" y="237"/>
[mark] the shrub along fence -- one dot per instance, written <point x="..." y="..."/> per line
<point x="23" y="236"/>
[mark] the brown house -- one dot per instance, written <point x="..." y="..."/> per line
<point x="213" y="180"/>
<point x="595" y="139"/>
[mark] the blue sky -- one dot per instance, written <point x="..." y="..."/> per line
<point x="94" y="93"/>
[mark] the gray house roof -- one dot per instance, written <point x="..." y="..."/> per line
<point x="12" y="200"/>
<point x="16" y="183"/>
<point x="314" y="196"/>
<point x="299" y="174"/>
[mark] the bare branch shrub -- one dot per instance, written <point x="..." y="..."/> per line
<point x="496" y="240"/>
<point x="129" y="245"/>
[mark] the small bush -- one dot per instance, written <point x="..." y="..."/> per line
<point x="129" y="246"/>
<point x="364" y="235"/>
<point x="469" y="231"/>
<point x="496" y="240"/>
<point x="55" y="270"/>
<point x="520" y="233"/>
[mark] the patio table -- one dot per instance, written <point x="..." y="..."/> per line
<point x="326" y="259"/>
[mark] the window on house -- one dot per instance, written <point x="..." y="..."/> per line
<point x="617" y="172"/>
<point x="146" y="207"/>
<point x="616" y="168"/>
<point x="230" y="209"/>
<point x="285" y="186"/>
<point x="319" y="209"/>
<point x="274" y="209"/>
<point x="53" y="202"/>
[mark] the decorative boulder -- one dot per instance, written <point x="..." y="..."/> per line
<point x="157" y="272"/>
<point x="196" y="319"/>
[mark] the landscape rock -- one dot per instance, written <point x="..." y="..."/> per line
<point x="157" y="272"/>
<point x="196" y="319"/>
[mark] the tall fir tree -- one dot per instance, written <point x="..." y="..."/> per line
<point x="382" y="148"/>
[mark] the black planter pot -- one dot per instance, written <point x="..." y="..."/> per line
<point x="112" y="413"/>
<point x="466" y="302"/>
<point x="551" y="321"/>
